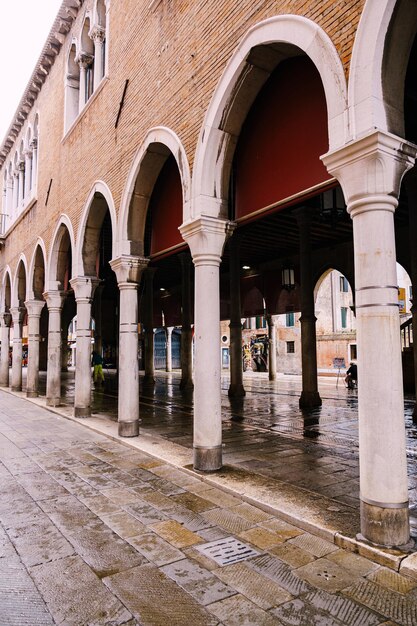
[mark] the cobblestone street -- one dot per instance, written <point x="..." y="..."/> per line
<point x="95" y="532"/>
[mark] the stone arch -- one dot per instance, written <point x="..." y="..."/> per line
<point x="63" y="244"/>
<point x="321" y="274"/>
<point x="19" y="285"/>
<point x="260" y="51"/>
<point x="37" y="279"/>
<point x="159" y="144"/>
<point x="6" y="291"/>
<point x="379" y="62"/>
<point x="101" y="199"/>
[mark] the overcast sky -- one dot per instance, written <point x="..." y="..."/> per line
<point x="24" y="27"/>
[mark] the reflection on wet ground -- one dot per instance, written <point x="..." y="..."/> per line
<point x="266" y="427"/>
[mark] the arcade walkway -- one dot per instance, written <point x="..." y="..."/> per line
<point x="304" y="465"/>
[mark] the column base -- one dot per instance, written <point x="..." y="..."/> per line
<point x="33" y="394"/>
<point x="128" y="429"/>
<point x="82" y="411"/>
<point x="4" y="384"/>
<point x="207" y="459"/>
<point x="309" y="400"/>
<point x="16" y="388"/>
<point x="52" y="401"/>
<point x="385" y="526"/>
<point x="236" y="391"/>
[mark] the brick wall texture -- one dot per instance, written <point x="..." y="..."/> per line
<point x="173" y="56"/>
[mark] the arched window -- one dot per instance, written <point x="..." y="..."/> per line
<point x="86" y="62"/>
<point x="98" y="34"/>
<point x="72" y="87"/>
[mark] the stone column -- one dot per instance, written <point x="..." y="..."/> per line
<point x="128" y="270"/>
<point x="5" y="320"/>
<point x="98" y="35"/>
<point x="186" y="330"/>
<point x="15" y="199"/>
<point x="84" y="287"/>
<point x="149" y="378"/>
<point x="17" y="316"/>
<point x="168" y="335"/>
<point x="55" y="302"/>
<point x="28" y="173"/>
<point x="84" y="61"/>
<point x="310" y="397"/>
<point x="206" y="237"/>
<point x="236" y="388"/>
<point x="21" y="195"/>
<point x="370" y="172"/>
<point x="34" y="309"/>
<point x="272" y="337"/>
<point x="34" y="173"/>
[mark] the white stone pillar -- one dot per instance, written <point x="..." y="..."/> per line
<point x="17" y="316"/>
<point x="84" y="61"/>
<point x="55" y="302"/>
<point x="5" y="320"/>
<point x="84" y="287"/>
<point x="21" y="195"/>
<point x="128" y="270"/>
<point x="168" y="335"/>
<point x="272" y="339"/>
<point x="34" y="172"/>
<point x="34" y="310"/>
<point x="28" y="173"/>
<point x="370" y="172"/>
<point x="206" y="237"/>
<point x="98" y="35"/>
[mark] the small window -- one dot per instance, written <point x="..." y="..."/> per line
<point x="343" y="313"/>
<point x="344" y="285"/>
<point x="289" y="319"/>
<point x="353" y="352"/>
<point x="290" y="347"/>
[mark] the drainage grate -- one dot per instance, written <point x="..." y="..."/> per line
<point x="226" y="551"/>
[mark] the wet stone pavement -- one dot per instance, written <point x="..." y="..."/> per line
<point x="93" y="532"/>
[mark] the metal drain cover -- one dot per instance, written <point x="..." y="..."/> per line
<point x="226" y="551"/>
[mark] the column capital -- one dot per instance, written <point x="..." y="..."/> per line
<point x="18" y="313"/>
<point x="84" y="287"/>
<point x="370" y="170"/>
<point x="128" y="268"/>
<point x="34" y="143"/>
<point x="84" y="60"/>
<point x="21" y="166"/>
<point x="97" y="34"/>
<point x="5" y="319"/>
<point x="54" y="299"/>
<point x="34" y="307"/>
<point x="206" y="237"/>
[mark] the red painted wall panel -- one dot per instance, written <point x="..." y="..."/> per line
<point x="282" y="138"/>
<point x="166" y="208"/>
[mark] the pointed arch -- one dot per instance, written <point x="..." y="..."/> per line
<point x="90" y="225"/>
<point x="159" y="143"/>
<point x="19" y="284"/>
<point x="35" y="277"/>
<point x="378" y="67"/>
<point x="63" y="243"/>
<point x="260" y="51"/>
<point x="6" y="290"/>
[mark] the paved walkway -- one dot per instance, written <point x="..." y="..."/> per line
<point x="93" y="531"/>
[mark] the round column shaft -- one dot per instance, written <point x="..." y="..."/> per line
<point x="34" y="309"/>
<point x="272" y="337"/>
<point x="236" y="388"/>
<point x="17" y="316"/>
<point x="5" y="320"/>
<point x="55" y="301"/>
<point x="168" y="334"/>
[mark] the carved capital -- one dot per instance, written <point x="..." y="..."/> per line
<point x="54" y="299"/>
<point x="98" y="34"/>
<point x="206" y="237"/>
<point x="34" y="307"/>
<point x="84" y="287"/>
<point x="128" y="268"/>
<point x="34" y="143"/>
<point x="370" y="170"/>
<point x="21" y="166"/>
<point x="5" y="319"/>
<point x="84" y="60"/>
<point x="18" y="313"/>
